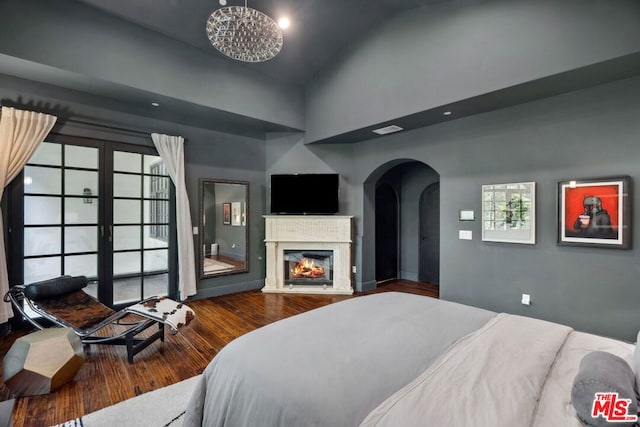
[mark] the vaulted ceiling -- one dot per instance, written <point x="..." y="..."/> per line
<point x="320" y="30"/>
<point x="346" y="66"/>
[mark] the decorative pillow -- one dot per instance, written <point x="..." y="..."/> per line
<point x="602" y="372"/>
<point x="636" y="364"/>
<point x="54" y="287"/>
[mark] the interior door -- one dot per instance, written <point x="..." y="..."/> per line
<point x="429" y="270"/>
<point x="386" y="233"/>
<point x="102" y="210"/>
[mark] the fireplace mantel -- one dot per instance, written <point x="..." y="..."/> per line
<point x="308" y="232"/>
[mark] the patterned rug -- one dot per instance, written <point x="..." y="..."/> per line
<point x="162" y="407"/>
<point x="211" y="265"/>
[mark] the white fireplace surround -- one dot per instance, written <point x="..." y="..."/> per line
<point x="308" y="232"/>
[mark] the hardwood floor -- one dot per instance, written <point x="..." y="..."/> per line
<point x="106" y="378"/>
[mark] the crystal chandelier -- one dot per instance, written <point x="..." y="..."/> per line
<point x="244" y="34"/>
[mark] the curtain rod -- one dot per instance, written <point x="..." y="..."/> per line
<point x="63" y="120"/>
<point x="100" y="125"/>
<point x="110" y="127"/>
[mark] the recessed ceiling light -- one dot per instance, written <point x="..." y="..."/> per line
<point x="284" y="22"/>
<point x="447" y="113"/>
<point x="388" y="129"/>
<point x="155" y="104"/>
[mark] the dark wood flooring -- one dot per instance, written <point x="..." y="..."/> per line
<point x="106" y="378"/>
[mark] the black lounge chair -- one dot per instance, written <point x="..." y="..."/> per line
<point x="63" y="302"/>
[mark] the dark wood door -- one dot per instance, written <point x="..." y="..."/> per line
<point x="386" y="233"/>
<point x="430" y="235"/>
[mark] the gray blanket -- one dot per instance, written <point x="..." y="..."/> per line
<point x="330" y="366"/>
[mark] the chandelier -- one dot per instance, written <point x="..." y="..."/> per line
<point x="244" y="34"/>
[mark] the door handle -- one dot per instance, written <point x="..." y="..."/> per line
<point x="110" y="237"/>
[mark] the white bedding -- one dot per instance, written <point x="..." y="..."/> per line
<point x="492" y="377"/>
<point x="514" y="371"/>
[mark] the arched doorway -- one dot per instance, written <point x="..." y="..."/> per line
<point x="385" y="255"/>
<point x="386" y="206"/>
<point x="429" y="267"/>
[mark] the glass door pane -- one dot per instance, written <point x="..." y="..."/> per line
<point x="140" y="227"/>
<point x="61" y="189"/>
<point x="61" y="207"/>
<point x="82" y="205"/>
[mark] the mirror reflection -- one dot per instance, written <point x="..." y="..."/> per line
<point x="224" y="207"/>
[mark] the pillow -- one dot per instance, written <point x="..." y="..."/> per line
<point x="636" y="364"/>
<point x="602" y="372"/>
<point x="54" y="287"/>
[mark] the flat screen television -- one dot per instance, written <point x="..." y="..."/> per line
<point x="300" y="194"/>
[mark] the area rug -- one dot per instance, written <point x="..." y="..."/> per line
<point x="211" y="265"/>
<point x="162" y="407"/>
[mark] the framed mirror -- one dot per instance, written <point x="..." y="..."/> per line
<point x="224" y="220"/>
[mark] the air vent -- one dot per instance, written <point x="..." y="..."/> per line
<point x="388" y="129"/>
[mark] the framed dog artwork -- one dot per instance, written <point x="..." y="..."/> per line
<point x="595" y="212"/>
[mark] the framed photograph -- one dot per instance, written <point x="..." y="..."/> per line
<point x="595" y="212"/>
<point x="236" y="213"/>
<point x="509" y="213"/>
<point x="226" y="213"/>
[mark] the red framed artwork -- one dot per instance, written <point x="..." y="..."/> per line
<point x="595" y="212"/>
<point x="226" y="213"/>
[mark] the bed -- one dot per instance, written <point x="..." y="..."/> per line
<point x="396" y="359"/>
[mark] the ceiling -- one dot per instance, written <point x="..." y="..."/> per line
<point x="320" y="29"/>
<point x="322" y="32"/>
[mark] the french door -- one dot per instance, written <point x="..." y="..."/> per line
<point x="99" y="209"/>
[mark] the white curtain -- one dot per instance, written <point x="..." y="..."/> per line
<point x="171" y="150"/>
<point x="20" y="134"/>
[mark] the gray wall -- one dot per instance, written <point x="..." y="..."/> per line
<point x="430" y="57"/>
<point x="588" y="133"/>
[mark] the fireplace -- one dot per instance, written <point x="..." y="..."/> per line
<point x="308" y="254"/>
<point x="314" y="268"/>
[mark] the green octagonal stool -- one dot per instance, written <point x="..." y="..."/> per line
<point x="42" y="361"/>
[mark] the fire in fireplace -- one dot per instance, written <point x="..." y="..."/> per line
<point x="308" y="268"/>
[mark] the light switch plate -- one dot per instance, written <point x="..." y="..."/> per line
<point x="465" y="235"/>
<point x="466" y="215"/>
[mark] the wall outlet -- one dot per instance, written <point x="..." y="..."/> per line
<point x="354" y="270"/>
<point x="195" y="231"/>
<point x="526" y="299"/>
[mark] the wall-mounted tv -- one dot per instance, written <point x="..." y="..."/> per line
<point x="304" y="194"/>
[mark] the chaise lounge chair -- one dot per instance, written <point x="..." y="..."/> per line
<point x="63" y="302"/>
